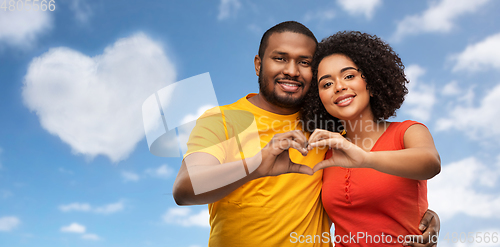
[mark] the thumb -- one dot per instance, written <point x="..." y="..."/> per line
<point x="298" y="168"/>
<point x="323" y="164"/>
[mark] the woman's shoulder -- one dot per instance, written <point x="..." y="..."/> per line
<point x="404" y="125"/>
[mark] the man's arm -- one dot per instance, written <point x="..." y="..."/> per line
<point x="429" y="225"/>
<point x="183" y="189"/>
<point x="206" y="170"/>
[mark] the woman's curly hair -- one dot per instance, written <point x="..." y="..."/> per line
<point x="380" y="66"/>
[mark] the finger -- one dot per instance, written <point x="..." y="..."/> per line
<point x="318" y="144"/>
<point x="414" y="239"/>
<point x="333" y="142"/>
<point x="425" y="240"/>
<point x="298" y="168"/>
<point x="419" y="239"/>
<point x="292" y="135"/>
<point x="299" y="147"/>
<point x="430" y="235"/>
<point x="425" y="221"/>
<point x="319" y="134"/>
<point x="419" y="245"/>
<point x="323" y="164"/>
<point x="296" y="135"/>
<point x="285" y="144"/>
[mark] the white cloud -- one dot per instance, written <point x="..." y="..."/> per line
<point x="255" y="29"/>
<point x="184" y="217"/>
<point x="480" y="56"/>
<point x="22" y="28"/>
<point x="81" y="9"/>
<point x="421" y="96"/>
<point x="130" y="176"/>
<point x="82" y="207"/>
<point x="86" y="207"/>
<point x="439" y="17"/>
<point x="9" y="223"/>
<point x="193" y="117"/>
<point x="188" y="123"/>
<point x="163" y="171"/>
<point x="451" y="89"/>
<point x="74" y="228"/>
<point x="90" y="236"/>
<point x="62" y="170"/>
<point x="321" y="15"/>
<point x="457" y="190"/>
<point x="5" y="194"/>
<point x="228" y="8"/>
<point x="110" y="208"/>
<point x="94" y="103"/>
<point x="478" y="122"/>
<point x="360" y="7"/>
<point x="80" y="229"/>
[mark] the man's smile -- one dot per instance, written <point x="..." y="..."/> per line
<point x="289" y="85"/>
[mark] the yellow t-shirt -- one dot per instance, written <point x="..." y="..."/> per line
<point x="285" y="210"/>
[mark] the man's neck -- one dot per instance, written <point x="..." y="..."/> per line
<point x="259" y="101"/>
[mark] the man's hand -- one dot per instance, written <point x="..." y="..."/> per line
<point x="275" y="157"/>
<point x="429" y="225"/>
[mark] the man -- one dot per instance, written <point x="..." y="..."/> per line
<point x="274" y="197"/>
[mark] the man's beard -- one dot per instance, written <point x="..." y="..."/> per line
<point x="270" y="96"/>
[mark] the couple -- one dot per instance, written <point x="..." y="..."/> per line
<point x="294" y="188"/>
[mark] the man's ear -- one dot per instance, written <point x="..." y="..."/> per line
<point x="257" y="62"/>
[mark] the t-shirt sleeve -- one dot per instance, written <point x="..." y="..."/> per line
<point x="209" y="135"/>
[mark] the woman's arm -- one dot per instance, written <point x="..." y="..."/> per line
<point x="419" y="160"/>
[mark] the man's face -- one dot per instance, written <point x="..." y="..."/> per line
<point x="285" y="69"/>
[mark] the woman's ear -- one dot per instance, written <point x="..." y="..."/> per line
<point x="369" y="91"/>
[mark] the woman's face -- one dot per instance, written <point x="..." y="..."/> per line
<point x="342" y="89"/>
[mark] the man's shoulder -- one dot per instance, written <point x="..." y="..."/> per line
<point x="217" y="113"/>
<point x="241" y="104"/>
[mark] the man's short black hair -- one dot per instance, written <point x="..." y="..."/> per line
<point x="287" y="26"/>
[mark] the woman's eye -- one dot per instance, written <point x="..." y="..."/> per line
<point x="349" y="77"/>
<point x="327" y="84"/>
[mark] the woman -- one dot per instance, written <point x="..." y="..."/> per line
<point x="374" y="182"/>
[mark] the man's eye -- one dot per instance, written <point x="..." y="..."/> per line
<point x="279" y="59"/>
<point x="305" y="63"/>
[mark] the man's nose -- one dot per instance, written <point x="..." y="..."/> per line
<point x="291" y="69"/>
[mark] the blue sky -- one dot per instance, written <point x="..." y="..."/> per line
<point x="75" y="169"/>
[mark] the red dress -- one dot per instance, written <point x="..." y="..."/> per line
<point x="371" y="208"/>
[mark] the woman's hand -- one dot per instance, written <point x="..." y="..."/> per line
<point x="344" y="153"/>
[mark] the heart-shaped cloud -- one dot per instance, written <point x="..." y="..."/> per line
<point x="94" y="103"/>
